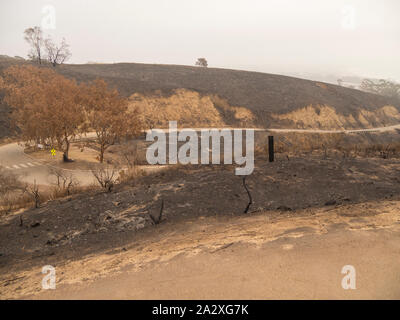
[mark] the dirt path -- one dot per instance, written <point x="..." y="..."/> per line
<point x="29" y="169"/>
<point x="13" y="158"/>
<point x="377" y="129"/>
<point x="248" y="257"/>
<point x="306" y="268"/>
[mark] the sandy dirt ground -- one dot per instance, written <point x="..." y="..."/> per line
<point x="84" y="158"/>
<point x="250" y="257"/>
<point x="309" y="218"/>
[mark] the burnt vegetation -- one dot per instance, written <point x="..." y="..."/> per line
<point x="261" y="93"/>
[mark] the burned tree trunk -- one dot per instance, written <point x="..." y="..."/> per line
<point x="158" y="220"/>
<point x="248" y="193"/>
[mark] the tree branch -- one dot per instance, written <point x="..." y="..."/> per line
<point x="248" y="193"/>
<point x="158" y="220"/>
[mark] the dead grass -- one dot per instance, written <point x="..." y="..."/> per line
<point x="12" y="191"/>
<point x="14" y="201"/>
<point x="65" y="183"/>
<point x="326" y="117"/>
<point x="187" y="107"/>
<point x="330" y="145"/>
<point x="16" y="195"/>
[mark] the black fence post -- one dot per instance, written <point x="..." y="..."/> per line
<point x="271" y="148"/>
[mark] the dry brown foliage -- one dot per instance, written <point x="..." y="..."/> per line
<point x="51" y="109"/>
<point x="46" y="106"/>
<point x="11" y="190"/>
<point x="108" y="115"/>
<point x="330" y="145"/>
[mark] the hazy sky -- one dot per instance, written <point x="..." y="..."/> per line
<point x="343" y="37"/>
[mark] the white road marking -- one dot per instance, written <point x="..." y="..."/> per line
<point x="22" y="165"/>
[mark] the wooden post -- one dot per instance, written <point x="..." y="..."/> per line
<point x="271" y="148"/>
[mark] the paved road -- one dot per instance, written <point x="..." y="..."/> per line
<point x="13" y="158"/>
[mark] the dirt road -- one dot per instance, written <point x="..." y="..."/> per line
<point x="13" y="158"/>
<point x="253" y="257"/>
<point x="377" y="129"/>
<point x="29" y="169"/>
<point x="307" y="268"/>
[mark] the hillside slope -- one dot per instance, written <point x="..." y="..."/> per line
<point x="273" y="100"/>
<point x="254" y="90"/>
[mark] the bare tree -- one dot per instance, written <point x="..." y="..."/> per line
<point x="106" y="177"/>
<point x="202" y="62"/>
<point x="34" y="36"/>
<point x="129" y="160"/>
<point x="65" y="181"/>
<point x="130" y="156"/>
<point x="57" y="54"/>
<point x="158" y="219"/>
<point x="248" y="193"/>
<point x="382" y="87"/>
<point x="34" y="193"/>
